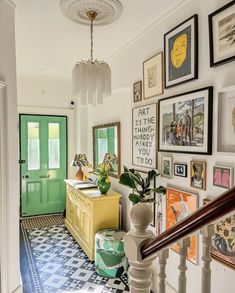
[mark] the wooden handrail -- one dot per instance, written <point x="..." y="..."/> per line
<point x="207" y="214"/>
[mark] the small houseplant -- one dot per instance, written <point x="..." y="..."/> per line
<point x="141" y="187"/>
<point x="103" y="180"/>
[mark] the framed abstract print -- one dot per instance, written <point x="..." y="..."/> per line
<point x="221" y="33"/>
<point x="166" y="166"/>
<point x="223" y="176"/>
<point x="185" y="122"/>
<point x="198" y="174"/>
<point x="153" y="76"/>
<point x="181" y="52"/>
<point x="222" y="247"/>
<point x="226" y="120"/>
<point x="144" y="136"/>
<point x="137" y="91"/>
<point x="179" y="205"/>
<point x="180" y="170"/>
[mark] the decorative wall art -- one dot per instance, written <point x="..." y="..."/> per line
<point x="185" y="122"/>
<point x="198" y="174"/>
<point x="166" y="166"/>
<point x="223" y="176"/>
<point x="144" y="133"/>
<point x="180" y="170"/>
<point x="222" y="34"/>
<point x="223" y="246"/>
<point x="179" y="205"/>
<point x="226" y="120"/>
<point x="160" y="217"/>
<point x="137" y="91"/>
<point x="153" y="76"/>
<point x="181" y="52"/>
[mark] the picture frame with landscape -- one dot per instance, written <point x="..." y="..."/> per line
<point x="181" y="52"/>
<point x="185" y="122"/>
<point x="222" y="34"/>
<point x="167" y="166"/>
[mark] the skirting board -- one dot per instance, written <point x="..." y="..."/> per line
<point x="169" y="288"/>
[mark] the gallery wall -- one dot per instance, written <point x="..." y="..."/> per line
<point x="127" y="69"/>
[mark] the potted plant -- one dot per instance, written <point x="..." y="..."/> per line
<point x="141" y="187"/>
<point x="103" y="181"/>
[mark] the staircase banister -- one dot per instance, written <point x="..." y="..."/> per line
<point x="207" y="214"/>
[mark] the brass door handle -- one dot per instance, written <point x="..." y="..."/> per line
<point x="44" y="176"/>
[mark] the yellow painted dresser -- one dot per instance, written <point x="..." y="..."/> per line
<point x="87" y="211"/>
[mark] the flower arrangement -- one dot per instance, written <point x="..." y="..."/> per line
<point x="141" y="187"/>
<point x="103" y="180"/>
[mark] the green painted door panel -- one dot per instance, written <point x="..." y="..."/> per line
<point x="43" y="146"/>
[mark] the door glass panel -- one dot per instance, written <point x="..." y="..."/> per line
<point x="33" y="146"/>
<point x="54" y="145"/>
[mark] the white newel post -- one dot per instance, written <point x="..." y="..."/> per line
<point x="140" y="271"/>
<point x="162" y="256"/>
<point x="207" y="233"/>
<point x="183" y="252"/>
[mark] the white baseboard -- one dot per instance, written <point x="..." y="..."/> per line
<point x="169" y="288"/>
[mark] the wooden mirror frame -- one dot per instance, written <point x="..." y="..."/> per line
<point x="115" y="124"/>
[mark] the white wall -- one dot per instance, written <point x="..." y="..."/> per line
<point x="8" y="75"/>
<point x="126" y="69"/>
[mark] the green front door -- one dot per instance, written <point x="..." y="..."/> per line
<point x="43" y="147"/>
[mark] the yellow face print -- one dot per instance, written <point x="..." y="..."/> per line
<point x="179" y="51"/>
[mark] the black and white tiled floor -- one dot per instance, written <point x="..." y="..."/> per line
<point x="57" y="264"/>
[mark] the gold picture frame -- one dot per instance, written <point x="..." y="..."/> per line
<point x="198" y="174"/>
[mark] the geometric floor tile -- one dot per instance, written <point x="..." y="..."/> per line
<point x="53" y="262"/>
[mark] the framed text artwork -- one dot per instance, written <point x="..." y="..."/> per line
<point x="153" y="76"/>
<point x="185" y="122"/>
<point x="222" y="246"/>
<point x="180" y="169"/>
<point x="137" y="91"/>
<point x="144" y="134"/>
<point x="179" y="205"/>
<point x="181" y="52"/>
<point x="221" y="33"/>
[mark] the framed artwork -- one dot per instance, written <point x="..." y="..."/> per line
<point x="181" y="52"/>
<point x="180" y="170"/>
<point x="222" y="247"/>
<point x="166" y="166"/>
<point x="223" y="176"/>
<point x="160" y="217"/>
<point x="226" y="120"/>
<point x="179" y="205"/>
<point x="198" y="174"/>
<point x="144" y="136"/>
<point x="221" y="34"/>
<point x="137" y="91"/>
<point x="185" y="122"/>
<point x="153" y="76"/>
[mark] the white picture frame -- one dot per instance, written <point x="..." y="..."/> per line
<point x="167" y="166"/>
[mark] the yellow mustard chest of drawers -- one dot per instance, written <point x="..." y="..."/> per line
<point x="87" y="211"/>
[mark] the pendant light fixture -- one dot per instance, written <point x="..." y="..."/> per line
<point x="91" y="79"/>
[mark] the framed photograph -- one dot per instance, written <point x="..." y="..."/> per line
<point x="221" y="34"/>
<point x="179" y="205"/>
<point x="198" y="174"/>
<point x="181" y="52"/>
<point x="223" y="176"/>
<point x="185" y="122"/>
<point x="226" y="120"/>
<point x="153" y="76"/>
<point x="222" y="247"/>
<point x="137" y="91"/>
<point x="180" y="170"/>
<point x="166" y="166"/>
<point x="144" y="136"/>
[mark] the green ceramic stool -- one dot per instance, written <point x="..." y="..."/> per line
<point x="110" y="258"/>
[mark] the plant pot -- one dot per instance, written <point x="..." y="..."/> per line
<point x="103" y="185"/>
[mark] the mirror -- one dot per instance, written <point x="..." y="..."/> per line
<point x="106" y="144"/>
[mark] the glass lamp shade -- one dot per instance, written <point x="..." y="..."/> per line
<point x="91" y="82"/>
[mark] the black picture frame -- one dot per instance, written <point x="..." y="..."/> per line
<point x="212" y="46"/>
<point x="137" y="91"/>
<point x="184" y="173"/>
<point x="194" y="57"/>
<point x="208" y="126"/>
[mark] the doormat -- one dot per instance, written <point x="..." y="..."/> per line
<point x="42" y="221"/>
<point x="52" y="261"/>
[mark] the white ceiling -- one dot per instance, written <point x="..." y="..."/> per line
<point x="48" y="44"/>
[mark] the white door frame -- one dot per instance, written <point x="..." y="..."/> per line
<point x="3" y="192"/>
